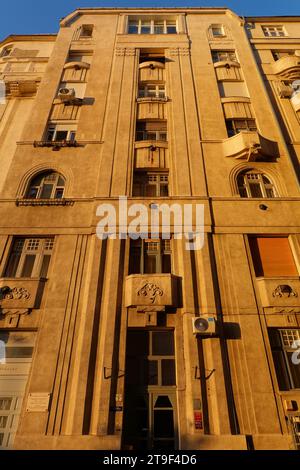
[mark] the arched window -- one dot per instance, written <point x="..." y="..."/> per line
<point x="47" y="185"/>
<point x="255" y="184"/>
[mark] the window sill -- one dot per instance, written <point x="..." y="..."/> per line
<point x="44" y="202"/>
<point x="55" y="145"/>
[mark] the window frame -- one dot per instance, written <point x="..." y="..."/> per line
<point x="152" y="24"/>
<point x="6" y="51"/>
<point x="55" y="186"/>
<point x="145" y="250"/>
<point x="54" y="128"/>
<point x="25" y="250"/>
<point x="264" y="187"/>
<point x="214" y="27"/>
<point x="284" y="350"/>
<point x="143" y="180"/>
<point x="230" y="55"/>
<point x="88" y="28"/>
<point x="160" y="90"/>
<point x="268" y="29"/>
<point x="234" y="131"/>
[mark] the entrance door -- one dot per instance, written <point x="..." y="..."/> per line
<point x="15" y="361"/>
<point x="150" y="412"/>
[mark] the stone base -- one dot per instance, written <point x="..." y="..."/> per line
<point x="34" y="442"/>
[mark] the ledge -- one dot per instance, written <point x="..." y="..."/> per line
<point x="295" y="100"/>
<point x="56" y="145"/>
<point x="250" y="146"/>
<point x="288" y="67"/>
<point x="150" y="143"/>
<point x="44" y="202"/>
<point x="226" y="63"/>
<point x="77" y="65"/>
<point x="150" y="99"/>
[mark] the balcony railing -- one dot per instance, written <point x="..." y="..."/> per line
<point x="56" y="144"/>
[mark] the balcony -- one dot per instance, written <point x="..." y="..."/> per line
<point x="44" y="202"/>
<point x="288" y="67"/>
<point x="20" y="293"/>
<point x="55" y="144"/>
<point x="250" y="146"/>
<point x="151" y="71"/>
<point x="18" y="88"/>
<point x="279" y="291"/>
<point x="151" y="290"/>
<point x="295" y="100"/>
<point x="151" y="154"/>
<point x="151" y="108"/>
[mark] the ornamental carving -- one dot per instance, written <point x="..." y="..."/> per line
<point x="122" y="51"/>
<point x="284" y="290"/>
<point x="151" y="291"/>
<point x="16" y="293"/>
<point x="179" y="51"/>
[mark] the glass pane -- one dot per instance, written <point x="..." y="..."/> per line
<point x="61" y="181"/>
<point x="270" y="192"/>
<point x="133" y="28"/>
<point x="132" y="371"/>
<point x="5" y="403"/>
<point x="145" y="28"/>
<point x="45" y="266"/>
<point x="152" y="367"/>
<point x="13" y="264"/>
<point x="61" y="135"/>
<point x="294" y="369"/>
<point x="151" y="190"/>
<point x="28" y="266"/>
<point x="3" y="421"/>
<point x="72" y="136"/>
<point x="163" y="423"/>
<point x="46" y="191"/>
<point x="166" y="264"/>
<point x="32" y="193"/>
<point x="150" y="266"/>
<point x="135" y="260"/>
<point x="281" y="370"/>
<point x="50" y="134"/>
<point x="255" y="190"/>
<point x="164" y="190"/>
<point x="163" y="401"/>
<point x="159" y="28"/>
<point x="59" y="193"/>
<point x="168" y="372"/>
<point x="19" y="352"/>
<point x="171" y="29"/>
<point x="163" y="343"/>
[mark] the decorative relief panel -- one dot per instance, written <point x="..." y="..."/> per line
<point x="151" y="290"/>
<point x="20" y="294"/>
<point x="281" y="293"/>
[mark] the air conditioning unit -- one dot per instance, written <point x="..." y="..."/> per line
<point x="66" y="94"/>
<point x="204" y="325"/>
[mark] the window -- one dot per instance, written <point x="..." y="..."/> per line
<point x="49" y="185"/>
<point x="217" y="30"/>
<point x="234" y="126"/>
<point x="279" y="54"/>
<point x="150" y="358"/>
<point x="272" y="257"/>
<point x="284" y="344"/>
<point x="224" y="56"/>
<point x="150" y="256"/>
<point x="151" y="130"/>
<point x="295" y="423"/>
<point x="150" y="26"/>
<point x="86" y="31"/>
<point x="151" y="184"/>
<point x="273" y="31"/>
<point x="254" y="184"/>
<point x="58" y="133"/>
<point x="29" y="257"/>
<point x="6" y="51"/>
<point x="152" y="91"/>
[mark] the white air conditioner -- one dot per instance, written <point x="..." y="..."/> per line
<point x="204" y="325"/>
<point x="66" y="94"/>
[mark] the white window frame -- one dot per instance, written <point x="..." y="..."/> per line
<point x="215" y="27"/>
<point x="156" y="179"/>
<point x="257" y="178"/>
<point x="55" y="185"/>
<point x="274" y="31"/>
<point x="159" y="90"/>
<point x="152" y="23"/>
<point x="55" y="128"/>
<point x="229" y="56"/>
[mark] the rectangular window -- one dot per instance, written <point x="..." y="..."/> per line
<point x="29" y="257"/>
<point x="154" y="363"/>
<point x="273" y="31"/>
<point x="86" y="31"/>
<point x="154" y="184"/>
<point x="272" y="257"/>
<point x="284" y="345"/>
<point x="150" y="256"/>
<point x="151" y="130"/>
<point x="152" y="26"/>
<point x="224" y="56"/>
<point x="217" y="30"/>
<point x="59" y="133"/>
<point x="152" y="91"/>
<point x="235" y="126"/>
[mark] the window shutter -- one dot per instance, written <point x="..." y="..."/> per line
<point x="272" y="257"/>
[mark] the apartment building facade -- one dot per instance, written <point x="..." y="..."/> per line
<point x="143" y="344"/>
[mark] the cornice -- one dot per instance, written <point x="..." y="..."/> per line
<point x="28" y="37"/>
